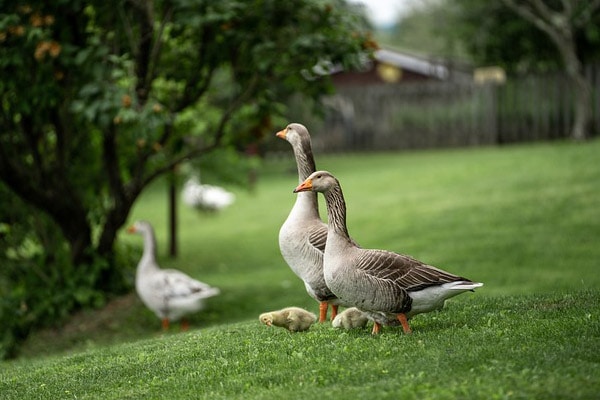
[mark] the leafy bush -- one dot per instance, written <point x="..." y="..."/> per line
<point x="39" y="287"/>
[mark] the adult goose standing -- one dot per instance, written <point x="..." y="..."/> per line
<point x="381" y="283"/>
<point x="303" y="235"/>
<point x="169" y="293"/>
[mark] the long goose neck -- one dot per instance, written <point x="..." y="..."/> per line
<point x="149" y="245"/>
<point x="304" y="160"/>
<point x="336" y="211"/>
<point x="305" y="163"/>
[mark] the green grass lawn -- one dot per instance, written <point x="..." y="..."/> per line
<point x="525" y="220"/>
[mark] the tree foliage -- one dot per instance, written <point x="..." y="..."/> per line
<point x="98" y="99"/>
<point x="560" y="23"/>
<point x="495" y="35"/>
<point x="521" y="36"/>
<point x="489" y="33"/>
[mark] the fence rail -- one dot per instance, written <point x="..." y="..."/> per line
<point x="443" y="114"/>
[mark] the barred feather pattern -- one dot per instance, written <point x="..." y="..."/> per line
<point x="378" y="281"/>
<point x="336" y="210"/>
<point x="305" y="160"/>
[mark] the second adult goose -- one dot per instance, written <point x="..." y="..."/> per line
<point x="303" y="234"/>
<point x="381" y="283"/>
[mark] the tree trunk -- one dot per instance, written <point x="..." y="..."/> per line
<point x="111" y="280"/>
<point x="581" y="87"/>
<point x="583" y="104"/>
<point x="56" y="199"/>
<point x="65" y="207"/>
<point x="77" y="231"/>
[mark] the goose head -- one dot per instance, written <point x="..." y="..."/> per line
<point x="296" y="134"/>
<point x="319" y="181"/>
<point x="140" y="227"/>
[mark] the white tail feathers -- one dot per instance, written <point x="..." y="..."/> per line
<point x="462" y="285"/>
<point x="208" y="292"/>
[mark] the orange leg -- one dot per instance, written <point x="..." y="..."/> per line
<point x="185" y="324"/>
<point x="165" y="324"/>
<point x="334" y="311"/>
<point x="376" y="328"/>
<point x="404" y="322"/>
<point x="323" y="311"/>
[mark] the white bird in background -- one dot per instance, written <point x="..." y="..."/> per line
<point x="169" y="293"/>
<point x="205" y="197"/>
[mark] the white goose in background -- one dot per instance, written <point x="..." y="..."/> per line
<point x="205" y="197"/>
<point x="169" y="293"/>
<point x="383" y="284"/>
<point x="303" y="235"/>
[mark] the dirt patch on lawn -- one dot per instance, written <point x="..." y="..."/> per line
<point x="122" y="319"/>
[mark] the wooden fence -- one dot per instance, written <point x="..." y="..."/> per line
<point x="444" y="114"/>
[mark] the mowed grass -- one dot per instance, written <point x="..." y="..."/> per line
<point x="525" y="220"/>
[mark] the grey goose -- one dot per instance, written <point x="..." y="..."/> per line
<point x="383" y="284"/>
<point x="303" y="235"/>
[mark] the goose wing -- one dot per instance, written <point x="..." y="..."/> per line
<point x="179" y="285"/>
<point x="317" y="237"/>
<point x="402" y="271"/>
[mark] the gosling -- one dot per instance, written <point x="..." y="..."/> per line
<point x="350" y="318"/>
<point x="294" y="319"/>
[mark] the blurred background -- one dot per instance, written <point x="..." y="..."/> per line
<point x="109" y="108"/>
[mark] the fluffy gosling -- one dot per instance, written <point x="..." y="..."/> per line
<point x="294" y="319"/>
<point x="350" y="318"/>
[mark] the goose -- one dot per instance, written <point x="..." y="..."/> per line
<point x="383" y="284"/>
<point x="205" y="197"/>
<point x="350" y="318"/>
<point x="294" y="319"/>
<point x="169" y="293"/>
<point x="303" y="235"/>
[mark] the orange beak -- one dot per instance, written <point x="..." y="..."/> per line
<point x="305" y="186"/>
<point x="281" y="133"/>
<point x="131" y="229"/>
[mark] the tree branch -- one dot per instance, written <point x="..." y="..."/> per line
<point x="110" y="160"/>
<point x="144" y="12"/>
<point x="155" y="53"/>
<point x="198" y="82"/>
<point x="128" y="30"/>
<point x="567" y="7"/>
<point x="557" y="27"/>
<point x="218" y="137"/>
<point x="543" y="10"/>
<point x="529" y="15"/>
